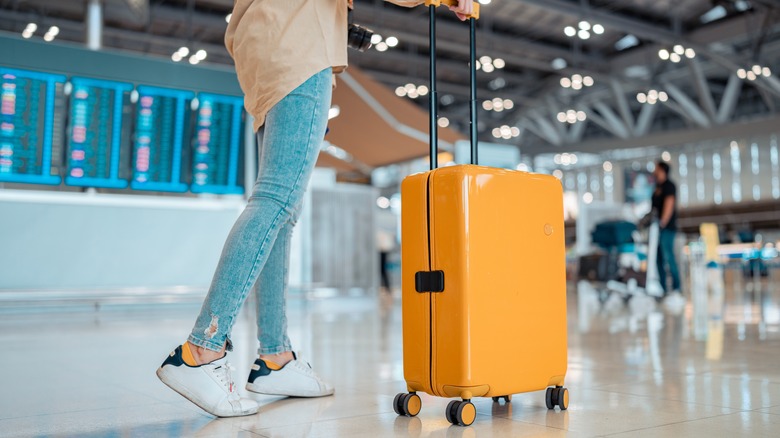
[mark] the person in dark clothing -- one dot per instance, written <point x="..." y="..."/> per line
<point x="665" y="204"/>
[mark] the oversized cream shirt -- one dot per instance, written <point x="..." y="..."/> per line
<point x="278" y="44"/>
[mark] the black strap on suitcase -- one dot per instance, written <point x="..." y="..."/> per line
<point x="434" y="95"/>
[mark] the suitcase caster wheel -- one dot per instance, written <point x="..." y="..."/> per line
<point x="461" y="413"/>
<point x="407" y="404"/>
<point x="558" y="396"/>
<point x="506" y="398"/>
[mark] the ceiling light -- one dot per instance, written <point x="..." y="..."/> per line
<point x="484" y="2"/>
<point x="587" y="197"/>
<point x="598" y="29"/>
<point x="570" y="31"/>
<point x="576" y="79"/>
<point x="751" y="76"/>
<point x="561" y="118"/>
<point x="413" y="94"/>
<point x="444" y="122"/>
<point x="652" y="94"/>
<point x="201" y="54"/>
<point x="54" y="31"/>
<point x="485" y="60"/>
<point x="27" y="34"/>
<point x="674" y="57"/>
<point x="662" y="96"/>
<point x="666" y="156"/>
<point x="641" y="98"/>
<point x="766" y="72"/>
<point x="479" y="65"/>
<point x="176" y="57"/>
<point x="584" y="25"/>
<point x="558" y="173"/>
<point x="499" y="63"/>
<point x="194" y="60"/>
<point x="508" y="104"/>
<point x="391" y="41"/>
<point x="48" y="37"/>
<point x="488" y="68"/>
<point x="376" y="38"/>
<point x="557" y="159"/>
<point x="565" y="82"/>
<point x="515" y="131"/>
<point x="410" y="87"/>
<point x="741" y="73"/>
<point x="583" y="34"/>
<point x="32" y="27"/>
<point x="400" y="91"/>
<point x="581" y="116"/>
<point x="422" y="90"/>
<point x="757" y="69"/>
<point x="663" y="54"/>
<point x="678" y="49"/>
<point x="228" y="17"/>
<point x="607" y="166"/>
<point x="381" y="47"/>
<point x="487" y="105"/>
<point x="496" y="133"/>
<point x="576" y="85"/>
<point x="690" y="53"/>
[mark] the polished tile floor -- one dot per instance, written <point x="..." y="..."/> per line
<point x="635" y="369"/>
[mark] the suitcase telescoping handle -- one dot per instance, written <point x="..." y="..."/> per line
<point x="434" y="95"/>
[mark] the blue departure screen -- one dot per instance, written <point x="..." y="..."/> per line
<point x="95" y="155"/>
<point x="30" y="149"/>
<point x="162" y="119"/>
<point x="217" y="145"/>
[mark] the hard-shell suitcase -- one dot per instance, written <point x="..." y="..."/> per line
<point x="484" y="280"/>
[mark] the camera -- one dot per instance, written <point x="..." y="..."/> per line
<point x="358" y="37"/>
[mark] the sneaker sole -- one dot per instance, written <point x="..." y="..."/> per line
<point x="303" y="394"/>
<point x="175" y="385"/>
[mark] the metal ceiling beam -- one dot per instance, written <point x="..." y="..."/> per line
<point x="702" y="88"/>
<point x="643" y="30"/>
<point x="457" y="33"/>
<point x="728" y="103"/>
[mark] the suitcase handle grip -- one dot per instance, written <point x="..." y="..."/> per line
<point x="474" y="14"/>
<point x="434" y="95"/>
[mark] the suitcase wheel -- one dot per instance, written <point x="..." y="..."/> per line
<point x="461" y="413"/>
<point x="507" y="398"/>
<point x="407" y="404"/>
<point x="558" y="396"/>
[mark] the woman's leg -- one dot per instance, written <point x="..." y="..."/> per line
<point x="294" y="130"/>
<point x="271" y="292"/>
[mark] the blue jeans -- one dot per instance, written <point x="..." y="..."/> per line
<point x="666" y="257"/>
<point x="257" y="251"/>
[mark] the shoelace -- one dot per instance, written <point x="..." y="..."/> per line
<point x="224" y="372"/>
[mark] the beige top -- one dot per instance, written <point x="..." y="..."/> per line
<point x="278" y="45"/>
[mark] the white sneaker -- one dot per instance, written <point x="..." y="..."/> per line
<point x="210" y="386"/>
<point x="295" y="379"/>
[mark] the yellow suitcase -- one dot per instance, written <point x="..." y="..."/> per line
<point x="484" y="283"/>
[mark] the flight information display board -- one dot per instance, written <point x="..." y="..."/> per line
<point x="162" y="120"/>
<point x="30" y="147"/>
<point x="217" y="145"/>
<point x="95" y="154"/>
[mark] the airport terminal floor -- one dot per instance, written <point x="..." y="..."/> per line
<point x="635" y="370"/>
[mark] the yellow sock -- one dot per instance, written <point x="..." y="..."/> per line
<point x="187" y="356"/>
<point x="273" y="366"/>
